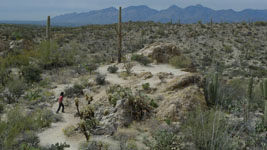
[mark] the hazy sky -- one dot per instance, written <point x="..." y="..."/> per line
<point x="39" y="9"/>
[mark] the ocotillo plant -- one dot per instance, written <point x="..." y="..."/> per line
<point x="264" y="93"/>
<point x="213" y="89"/>
<point x="119" y="37"/>
<point x="48" y="29"/>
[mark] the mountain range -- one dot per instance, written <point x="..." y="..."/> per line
<point x="191" y="14"/>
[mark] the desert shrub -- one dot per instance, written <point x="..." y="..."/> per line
<point x="141" y="59"/>
<point x="94" y="145"/>
<point x="260" y="23"/>
<point x="32" y="73"/>
<point x="16" y="89"/>
<point x="146" y="86"/>
<point x="112" y="69"/>
<point x="91" y="67"/>
<point x="100" y="79"/>
<point x="51" y="56"/>
<point x="69" y="131"/>
<point x="57" y="146"/>
<point x="74" y="91"/>
<point x="180" y="62"/>
<point x="33" y="95"/>
<point x="137" y="102"/>
<point x="209" y="130"/>
<point x="153" y="103"/>
<point x="128" y="66"/>
<point x="165" y="140"/>
<point x="19" y="128"/>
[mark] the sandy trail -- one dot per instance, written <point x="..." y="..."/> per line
<point x="55" y="133"/>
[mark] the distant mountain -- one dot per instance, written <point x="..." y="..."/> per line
<point x="174" y="13"/>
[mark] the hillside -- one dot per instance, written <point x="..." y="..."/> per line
<point x="179" y="86"/>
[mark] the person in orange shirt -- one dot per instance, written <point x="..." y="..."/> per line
<point x="60" y="101"/>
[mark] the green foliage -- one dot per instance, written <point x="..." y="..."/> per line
<point x="58" y="146"/>
<point x="33" y="95"/>
<point x="16" y="89"/>
<point x="94" y="145"/>
<point x="180" y="62"/>
<point x="128" y="66"/>
<point x="146" y="86"/>
<point x="74" y="91"/>
<point x="112" y="69"/>
<point x="153" y="103"/>
<point x="209" y="130"/>
<point x="137" y="102"/>
<point x="100" y="79"/>
<point x="91" y="67"/>
<point x="141" y="59"/>
<point x="260" y="23"/>
<point x="69" y="131"/>
<point x="32" y="73"/>
<point x="165" y="140"/>
<point x="19" y="127"/>
<point x="4" y="72"/>
<point x="51" y="56"/>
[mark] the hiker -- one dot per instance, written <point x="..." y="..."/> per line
<point x="60" y="101"/>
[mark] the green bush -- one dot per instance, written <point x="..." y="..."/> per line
<point x="180" y="62"/>
<point x="165" y="140"/>
<point x="19" y="129"/>
<point x="91" y="67"/>
<point x="74" y="91"/>
<point x="137" y="102"/>
<point x="100" y="79"/>
<point x="16" y="89"/>
<point x="141" y="59"/>
<point x="32" y="74"/>
<point x="146" y="86"/>
<point x="112" y="69"/>
<point x="200" y="129"/>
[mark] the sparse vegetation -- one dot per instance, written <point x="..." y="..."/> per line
<point x="180" y="62"/>
<point x="112" y="69"/>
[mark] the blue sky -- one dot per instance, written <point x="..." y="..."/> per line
<point x="39" y="9"/>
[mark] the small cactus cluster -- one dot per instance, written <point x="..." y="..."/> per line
<point x="264" y="94"/>
<point x="213" y="89"/>
<point x="119" y="34"/>
<point x="137" y="103"/>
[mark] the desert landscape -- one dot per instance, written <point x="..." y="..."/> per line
<point x="134" y="86"/>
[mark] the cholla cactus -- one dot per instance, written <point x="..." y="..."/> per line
<point x="77" y="106"/>
<point x="82" y="126"/>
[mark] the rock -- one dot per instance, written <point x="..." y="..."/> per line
<point x="177" y="104"/>
<point x="160" y="52"/>
<point x="184" y="81"/>
<point x="145" y="75"/>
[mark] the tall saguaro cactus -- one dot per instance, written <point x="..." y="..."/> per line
<point x="48" y="29"/>
<point x="264" y="93"/>
<point x="119" y="37"/>
<point x="250" y="89"/>
<point x="213" y="89"/>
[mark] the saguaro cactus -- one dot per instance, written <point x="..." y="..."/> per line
<point x="119" y="37"/>
<point x="213" y="89"/>
<point x="48" y="29"/>
<point x="264" y="93"/>
<point x="250" y="89"/>
<point x="211" y="21"/>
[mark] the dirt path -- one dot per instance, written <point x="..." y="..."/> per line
<point x="55" y="133"/>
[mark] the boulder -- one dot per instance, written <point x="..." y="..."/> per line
<point x="160" y="52"/>
<point x="184" y="81"/>
<point x="182" y="95"/>
<point x="145" y="75"/>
